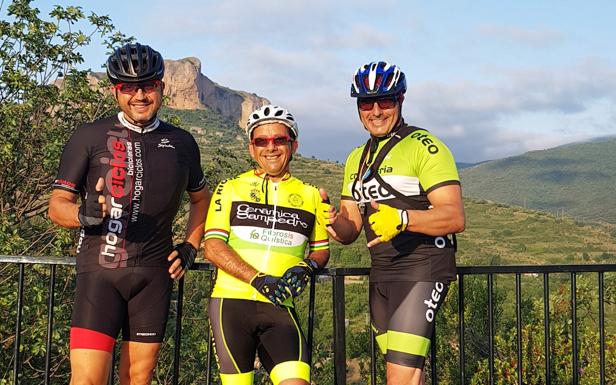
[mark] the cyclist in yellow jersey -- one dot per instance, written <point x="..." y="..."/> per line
<point x="402" y="186"/>
<point x="260" y="226"/>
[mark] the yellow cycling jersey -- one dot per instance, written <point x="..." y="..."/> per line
<point x="268" y="224"/>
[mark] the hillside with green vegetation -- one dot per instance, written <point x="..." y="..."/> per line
<point x="575" y="180"/>
<point x="495" y="233"/>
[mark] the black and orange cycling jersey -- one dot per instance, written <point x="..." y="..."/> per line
<point x="146" y="170"/>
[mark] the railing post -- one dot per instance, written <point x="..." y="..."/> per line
<point x="50" y="305"/>
<point x="461" y="324"/>
<point x="518" y="307"/>
<point x="546" y="326"/>
<point x="208" y="370"/>
<point x="339" y="329"/>
<point x="372" y="356"/>
<point x="114" y="358"/>
<point x="311" y="318"/>
<point x="574" y="341"/>
<point x="20" y="305"/>
<point x="601" y="332"/>
<point x="434" y="380"/>
<point x="178" y="332"/>
<point x="491" y="326"/>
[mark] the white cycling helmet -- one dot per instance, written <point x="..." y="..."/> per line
<point x="271" y="114"/>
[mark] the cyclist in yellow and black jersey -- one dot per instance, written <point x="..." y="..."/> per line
<point x="402" y="186"/>
<point x="260" y="226"/>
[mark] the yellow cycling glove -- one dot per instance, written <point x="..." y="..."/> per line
<point x="387" y="222"/>
<point x="322" y="213"/>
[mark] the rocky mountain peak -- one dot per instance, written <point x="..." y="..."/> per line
<point x="188" y="89"/>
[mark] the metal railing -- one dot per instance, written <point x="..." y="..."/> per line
<point x="338" y="276"/>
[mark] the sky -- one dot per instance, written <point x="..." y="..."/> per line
<point x="490" y="78"/>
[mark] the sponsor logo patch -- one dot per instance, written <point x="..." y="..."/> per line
<point x="295" y="200"/>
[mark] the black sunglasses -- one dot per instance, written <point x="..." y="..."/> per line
<point x="384" y="103"/>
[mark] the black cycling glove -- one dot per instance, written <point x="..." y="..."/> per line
<point x="90" y="211"/>
<point x="273" y="288"/>
<point x="187" y="253"/>
<point x="298" y="276"/>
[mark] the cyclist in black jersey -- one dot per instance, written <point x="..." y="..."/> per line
<point x="121" y="181"/>
<point x="402" y="186"/>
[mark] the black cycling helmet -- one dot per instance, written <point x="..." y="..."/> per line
<point x="134" y="63"/>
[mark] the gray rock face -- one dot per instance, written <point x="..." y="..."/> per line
<point x="188" y="89"/>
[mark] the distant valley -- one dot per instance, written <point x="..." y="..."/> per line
<point x="576" y="180"/>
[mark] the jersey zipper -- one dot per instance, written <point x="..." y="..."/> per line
<point x="266" y="257"/>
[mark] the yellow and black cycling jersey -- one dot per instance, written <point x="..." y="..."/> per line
<point x="400" y="171"/>
<point x="268" y="224"/>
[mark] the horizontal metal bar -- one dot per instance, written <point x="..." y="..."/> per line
<point x="37" y="260"/>
<point x="524" y="269"/>
<point x="360" y="271"/>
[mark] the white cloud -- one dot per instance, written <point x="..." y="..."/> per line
<point x="527" y="110"/>
<point x="540" y="37"/>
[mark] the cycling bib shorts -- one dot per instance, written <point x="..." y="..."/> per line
<point x="241" y="328"/>
<point x="134" y="299"/>
<point x="403" y="315"/>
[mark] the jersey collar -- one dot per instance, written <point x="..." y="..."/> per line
<point x="142" y="130"/>
<point x="263" y="175"/>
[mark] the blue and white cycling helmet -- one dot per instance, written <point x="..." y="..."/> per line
<point x="271" y="114"/>
<point x="378" y="79"/>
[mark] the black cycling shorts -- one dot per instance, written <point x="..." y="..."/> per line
<point x="133" y="299"/>
<point x="240" y="328"/>
<point x="402" y="315"/>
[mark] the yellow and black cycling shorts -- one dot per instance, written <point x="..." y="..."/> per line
<point x="241" y="328"/>
<point x="403" y="315"/>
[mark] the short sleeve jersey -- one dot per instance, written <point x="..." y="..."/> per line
<point x="416" y="165"/>
<point x="269" y="225"/>
<point x="145" y="175"/>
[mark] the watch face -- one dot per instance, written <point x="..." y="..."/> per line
<point x="362" y="208"/>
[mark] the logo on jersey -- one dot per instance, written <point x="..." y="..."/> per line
<point x="426" y="141"/>
<point x="381" y="171"/>
<point x="295" y="200"/>
<point x="269" y="216"/>
<point x="165" y="143"/>
<point x="118" y="180"/>
<point x="371" y="190"/>
<point x="274" y="237"/>
<point x="433" y="301"/>
<point x="255" y="196"/>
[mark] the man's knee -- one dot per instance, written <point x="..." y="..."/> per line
<point x="89" y="367"/>
<point x="137" y="363"/>
<point x="136" y="377"/>
<point x="294" y="381"/>
<point x="403" y="375"/>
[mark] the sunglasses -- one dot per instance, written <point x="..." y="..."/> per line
<point x="276" y="140"/>
<point x="384" y="103"/>
<point x="133" y="88"/>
